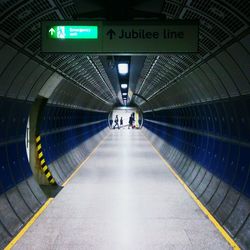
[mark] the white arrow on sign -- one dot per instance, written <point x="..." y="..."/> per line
<point x="51" y="31"/>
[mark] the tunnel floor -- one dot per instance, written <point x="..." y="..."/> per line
<point x="123" y="197"/>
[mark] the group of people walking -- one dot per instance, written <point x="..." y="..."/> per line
<point x="131" y="122"/>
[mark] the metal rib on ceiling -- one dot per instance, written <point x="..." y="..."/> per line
<point x="220" y="22"/>
<point x="20" y="25"/>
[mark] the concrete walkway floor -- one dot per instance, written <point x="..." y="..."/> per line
<point x="123" y="197"/>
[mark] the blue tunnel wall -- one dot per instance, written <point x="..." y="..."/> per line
<point x="208" y="145"/>
<point x="68" y="136"/>
<point x="20" y="195"/>
<point x="22" y="80"/>
<point x="14" y="163"/>
<point x="71" y="110"/>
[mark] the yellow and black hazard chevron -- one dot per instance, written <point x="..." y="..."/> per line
<point x="43" y="162"/>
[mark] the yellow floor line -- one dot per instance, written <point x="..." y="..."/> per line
<point x="39" y="212"/>
<point x="82" y="163"/>
<point x="201" y="206"/>
<point x="28" y="225"/>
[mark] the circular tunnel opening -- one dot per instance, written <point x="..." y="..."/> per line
<point x="125" y="117"/>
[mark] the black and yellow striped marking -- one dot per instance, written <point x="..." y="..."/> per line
<point x="42" y="161"/>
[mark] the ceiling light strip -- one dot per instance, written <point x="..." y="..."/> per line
<point x="151" y="68"/>
<point x="98" y="72"/>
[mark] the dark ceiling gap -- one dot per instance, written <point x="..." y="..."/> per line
<point x="113" y="10"/>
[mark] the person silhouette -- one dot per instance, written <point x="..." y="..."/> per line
<point x="121" y="122"/>
<point x="130" y="122"/>
<point x="116" y="122"/>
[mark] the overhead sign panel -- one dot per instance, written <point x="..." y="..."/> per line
<point x="101" y="37"/>
<point x="150" y="38"/>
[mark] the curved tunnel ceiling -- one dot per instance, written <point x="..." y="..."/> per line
<point x="199" y="124"/>
<point x="221" y="23"/>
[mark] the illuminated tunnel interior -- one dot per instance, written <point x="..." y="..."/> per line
<point x="196" y="106"/>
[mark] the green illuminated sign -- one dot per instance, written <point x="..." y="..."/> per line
<point x="73" y="32"/>
<point x="125" y="38"/>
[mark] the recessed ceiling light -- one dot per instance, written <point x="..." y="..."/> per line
<point x="124" y="85"/>
<point x="123" y="68"/>
<point x="124" y="94"/>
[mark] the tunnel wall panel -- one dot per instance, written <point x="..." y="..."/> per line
<point x="30" y="81"/>
<point x="9" y="74"/>
<point x="73" y="96"/>
<point x="45" y="75"/>
<point x="30" y="196"/>
<point x="17" y="206"/>
<point x="7" y="53"/>
<point x="14" y="163"/>
<point x="245" y="42"/>
<point x="4" y="237"/>
<point x="68" y="136"/>
<point x="225" y="75"/>
<point x="71" y="133"/>
<point x="21" y="78"/>
<point x="241" y="57"/>
<point x="234" y="71"/>
<point x="217" y="65"/>
<point x="213" y="77"/>
<point x="208" y="145"/>
<point x="20" y="195"/>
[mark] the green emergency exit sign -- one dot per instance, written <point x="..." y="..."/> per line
<point x="73" y="32"/>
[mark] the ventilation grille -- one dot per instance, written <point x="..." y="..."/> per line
<point x="22" y="15"/>
<point x="6" y="5"/>
<point x="34" y="46"/>
<point x="70" y="10"/>
<point x="171" y="9"/>
<point x="217" y="33"/>
<point x="34" y="28"/>
<point x="220" y="14"/>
